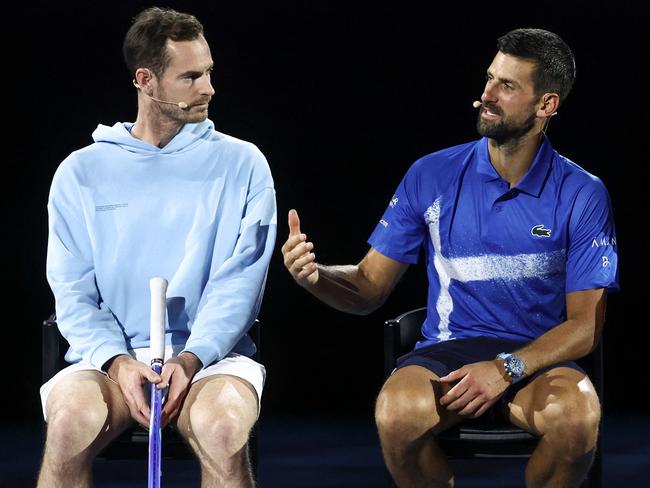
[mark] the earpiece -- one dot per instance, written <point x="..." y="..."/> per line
<point x="181" y="105"/>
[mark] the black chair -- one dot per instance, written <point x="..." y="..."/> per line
<point x="133" y="442"/>
<point x="483" y="438"/>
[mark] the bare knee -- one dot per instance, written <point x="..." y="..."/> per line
<point x="84" y="413"/>
<point x="573" y="425"/>
<point x="403" y="415"/>
<point x="219" y="435"/>
<point x="72" y="430"/>
<point x="407" y="416"/>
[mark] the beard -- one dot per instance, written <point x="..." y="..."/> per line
<point x="506" y="130"/>
<point x="173" y="112"/>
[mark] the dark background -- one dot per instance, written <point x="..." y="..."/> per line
<point x="341" y="98"/>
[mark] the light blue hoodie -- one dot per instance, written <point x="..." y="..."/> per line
<point x="199" y="212"/>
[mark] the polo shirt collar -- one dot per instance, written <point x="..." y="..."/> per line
<point x="533" y="180"/>
<point x="484" y="165"/>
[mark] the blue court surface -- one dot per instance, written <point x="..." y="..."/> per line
<point x="306" y="452"/>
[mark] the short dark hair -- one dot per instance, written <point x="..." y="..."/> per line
<point x="555" y="66"/>
<point x="145" y="42"/>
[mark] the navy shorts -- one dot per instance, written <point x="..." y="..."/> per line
<point x="444" y="357"/>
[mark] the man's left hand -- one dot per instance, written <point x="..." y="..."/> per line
<point x="478" y="387"/>
<point x="177" y="374"/>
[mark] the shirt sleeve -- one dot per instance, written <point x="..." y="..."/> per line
<point x="83" y="319"/>
<point x="401" y="230"/>
<point x="592" y="257"/>
<point x="233" y="294"/>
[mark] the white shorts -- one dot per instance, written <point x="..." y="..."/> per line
<point x="233" y="364"/>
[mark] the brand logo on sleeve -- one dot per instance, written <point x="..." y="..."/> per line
<point x="393" y="201"/>
<point x="603" y="241"/>
<point x="540" y="231"/>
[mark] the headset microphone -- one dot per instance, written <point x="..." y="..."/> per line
<point x="181" y="105"/>
<point x="476" y="104"/>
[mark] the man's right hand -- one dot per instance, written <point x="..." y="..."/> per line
<point x="130" y="374"/>
<point x="298" y="258"/>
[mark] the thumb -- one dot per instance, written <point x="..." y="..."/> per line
<point x="151" y="375"/>
<point x="294" y="223"/>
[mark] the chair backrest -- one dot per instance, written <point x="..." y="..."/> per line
<point x="411" y="328"/>
<point x="54" y="347"/>
<point x="401" y="334"/>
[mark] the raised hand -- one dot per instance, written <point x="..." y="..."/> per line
<point x="297" y="252"/>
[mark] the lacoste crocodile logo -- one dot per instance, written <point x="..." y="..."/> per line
<point x="540" y="231"/>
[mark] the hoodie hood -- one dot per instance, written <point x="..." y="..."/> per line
<point x="188" y="137"/>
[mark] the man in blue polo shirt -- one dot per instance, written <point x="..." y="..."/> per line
<point x="520" y="249"/>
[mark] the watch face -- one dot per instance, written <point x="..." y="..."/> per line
<point x="516" y="365"/>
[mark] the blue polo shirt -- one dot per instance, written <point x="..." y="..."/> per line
<point x="500" y="260"/>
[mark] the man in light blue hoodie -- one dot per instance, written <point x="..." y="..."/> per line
<point x="165" y="196"/>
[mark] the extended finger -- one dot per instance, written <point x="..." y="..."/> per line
<point x="471" y="409"/>
<point x="170" y="406"/>
<point x="453" y="376"/>
<point x="140" y="401"/>
<point x="484" y="408"/>
<point x="176" y="390"/>
<point x="138" y="415"/>
<point x="134" y="398"/>
<point x="463" y="399"/>
<point x="173" y="404"/>
<point x="169" y="414"/>
<point x="454" y="394"/>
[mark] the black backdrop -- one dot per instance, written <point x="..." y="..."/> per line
<point x="341" y="98"/>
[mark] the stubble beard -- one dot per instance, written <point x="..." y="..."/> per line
<point x="179" y="115"/>
<point x="504" y="131"/>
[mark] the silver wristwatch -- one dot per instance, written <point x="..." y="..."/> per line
<point x="514" y="366"/>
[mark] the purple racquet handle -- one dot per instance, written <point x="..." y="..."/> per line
<point x="155" y="435"/>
